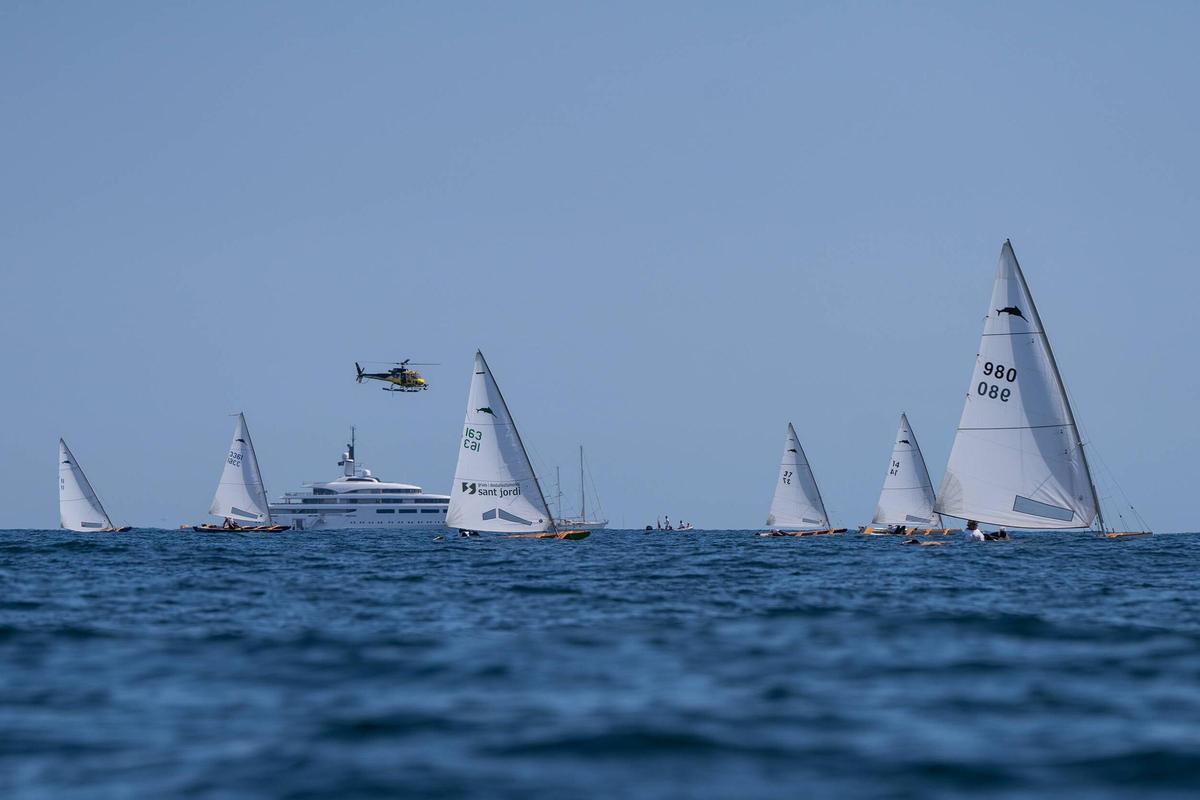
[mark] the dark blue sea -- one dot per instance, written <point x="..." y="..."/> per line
<point x="690" y="665"/>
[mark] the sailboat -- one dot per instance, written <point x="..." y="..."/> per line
<point x="241" y="496"/>
<point x="906" y="500"/>
<point x="79" y="509"/>
<point x="797" y="508"/>
<point x="581" y="522"/>
<point x="1018" y="459"/>
<point x="495" y="489"/>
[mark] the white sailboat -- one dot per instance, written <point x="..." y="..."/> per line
<point x="581" y="523"/>
<point x="241" y="496"/>
<point x="79" y="509"/>
<point x="1017" y="458"/>
<point x="906" y="501"/>
<point x="797" y="508"/>
<point x="495" y="488"/>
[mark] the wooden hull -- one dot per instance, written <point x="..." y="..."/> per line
<point x="568" y="535"/>
<point x="1127" y="534"/>
<point x="241" y="529"/>
<point x="826" y="532"/>
<point x="910" y="531"/>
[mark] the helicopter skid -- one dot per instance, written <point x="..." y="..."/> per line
<point x="413" y="389"/>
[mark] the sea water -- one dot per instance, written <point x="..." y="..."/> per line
<point x="631" y="665"/>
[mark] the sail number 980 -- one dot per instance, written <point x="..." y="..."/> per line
<point x="998" y="373"/>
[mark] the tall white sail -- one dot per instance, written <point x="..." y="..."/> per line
<point x="907" y="495"/>
<point x="79" y="508"/>
<point x="241" y="494"/>
<point x="797" y="503"/>
<point x="1017" y="458"/>
<point x="494" y="485"/>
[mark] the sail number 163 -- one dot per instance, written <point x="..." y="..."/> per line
<point x="471" y="439"/>
<point x="997" y="372"/>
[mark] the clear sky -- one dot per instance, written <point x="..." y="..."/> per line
<point x="671" y="228"/>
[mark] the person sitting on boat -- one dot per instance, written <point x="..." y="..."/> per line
<point x="229" y="524"/>
<point x="898" y="530"/>
<point x="972" y="533"/>
<point x="1000" y="535"/>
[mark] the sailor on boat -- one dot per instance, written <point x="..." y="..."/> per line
<point x="972" y="533"/>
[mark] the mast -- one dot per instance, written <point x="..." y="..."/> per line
<point x="1087" y="470"/>
<point x="558" y="490"/>
<point x="582" y="495"/>
<point x="517" y="435"/>
<point x="257" y="468"/>
<point x="937" y="517"/>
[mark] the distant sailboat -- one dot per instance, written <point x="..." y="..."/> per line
<point x="495" y="488"/>
<point x="241" y="496"/>
<point x="906" y="500"/>
<point x="79" y="509"/>
<point x="1018" y="459"/>
<point x="581" y="522"/>
<point x="797" y="508"/>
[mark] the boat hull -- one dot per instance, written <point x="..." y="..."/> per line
<point x="824" y="532"/>
<point x="1126" y="534"/>
<point x="241" y="529"/>
<point x="566" y="535"/>
<point x="869" y="531"/>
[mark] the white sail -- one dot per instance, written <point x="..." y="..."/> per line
<point x="907" y="495"/>
<point x="241" y="494"/>
<point x="797" y="503"/>
<point x="79" y="508"/>
<point x="494" y="485"/>
<point x="1017" y="459"/>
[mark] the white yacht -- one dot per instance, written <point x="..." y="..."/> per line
<point x="357" y="499"/>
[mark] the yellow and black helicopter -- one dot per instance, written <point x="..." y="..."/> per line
<point x="402" y="377"/>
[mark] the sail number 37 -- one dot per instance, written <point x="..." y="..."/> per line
<point x="998" y="373"/>
<point x="471" y="439"/>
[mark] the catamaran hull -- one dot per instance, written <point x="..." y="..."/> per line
<point x="1126" y="534"/>
<point x="826" y="532"/>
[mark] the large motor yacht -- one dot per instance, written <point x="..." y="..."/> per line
<point x="357" y="499"/>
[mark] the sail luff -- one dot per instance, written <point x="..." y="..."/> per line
<point x="240" y="493"/>
<point x="1062" y="387"/>
<point x="1017" y="458"/>
<point x="907" y="497"/>
<point x="495" y="487"/>
<point x="797" y="503"/>
<point x="75" y="482"/>
<point x="920" y="459"/>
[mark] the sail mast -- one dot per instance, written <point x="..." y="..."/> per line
<point x="582" y="494"/>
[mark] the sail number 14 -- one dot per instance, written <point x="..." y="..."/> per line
<point x="997" y="372"/>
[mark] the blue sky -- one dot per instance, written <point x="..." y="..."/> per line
<point x="671" y="228"/>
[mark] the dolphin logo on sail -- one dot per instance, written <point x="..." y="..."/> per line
<point x="905" y="441"/>
<point x="791" y="449"/>
<point x="1016" y="312"/>
<point x="485" y="410"/>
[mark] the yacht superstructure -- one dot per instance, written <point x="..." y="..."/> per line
<point x="357" y="499"/>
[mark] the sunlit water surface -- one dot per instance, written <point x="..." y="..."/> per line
<point x="708" y="664"/>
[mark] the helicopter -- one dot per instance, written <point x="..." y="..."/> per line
<point x="402" y="377"/>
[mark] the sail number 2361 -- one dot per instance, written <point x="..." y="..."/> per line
<point x="471" y="439"/>
<point x="998" y="373"/>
